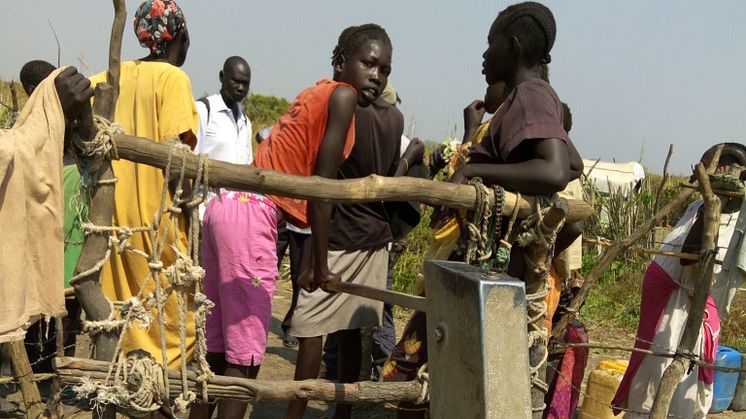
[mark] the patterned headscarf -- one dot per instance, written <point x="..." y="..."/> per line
<point x="156" y="24"/>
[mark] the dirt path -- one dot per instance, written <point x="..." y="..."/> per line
<point x="279" y="364"/>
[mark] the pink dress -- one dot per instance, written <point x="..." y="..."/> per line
<point x="238" y="251"/>
<point x="664" y="309"/>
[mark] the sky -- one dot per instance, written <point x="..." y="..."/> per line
<point x="638" y="75"/>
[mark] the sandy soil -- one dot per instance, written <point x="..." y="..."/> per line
<point x="279" y="364"/>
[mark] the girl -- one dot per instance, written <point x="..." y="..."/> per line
<point x="526" y="149"/>
<point x="240" y="230"/>
<point x="665" y="305"/>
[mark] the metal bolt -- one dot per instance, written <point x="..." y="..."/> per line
<point x="440" y="334"/>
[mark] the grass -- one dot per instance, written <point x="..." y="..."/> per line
<point x="415" y="248"/>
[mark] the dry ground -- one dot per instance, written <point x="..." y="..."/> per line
<point x="279" y="365"/>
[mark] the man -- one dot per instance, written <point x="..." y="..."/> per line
<point x="224" y="134"/>
<point x="224" y="131"/>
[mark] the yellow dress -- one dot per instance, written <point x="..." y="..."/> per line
<point x="155" y="101"/>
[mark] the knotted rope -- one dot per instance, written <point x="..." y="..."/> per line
<point x="138" y="388"/>
<point x="536" y="235"/>
<point x="424" y="378"/>
<point x="100" y="148"/>
<point x="183" y="277"/>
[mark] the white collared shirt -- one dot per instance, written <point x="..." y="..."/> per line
<point x="222" y="137"/>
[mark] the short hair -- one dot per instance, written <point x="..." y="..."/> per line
<point x="352" y="38"/>
<point x="33" y="72"/>
<point x="566" y="117"/>
<point x="534" y="26"/>
<point x="230" y="61"/>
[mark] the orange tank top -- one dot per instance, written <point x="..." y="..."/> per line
<point x="294" y="142"/>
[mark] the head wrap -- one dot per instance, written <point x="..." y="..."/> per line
<point x="156" y="24"/>
<point x="390" y="95"/>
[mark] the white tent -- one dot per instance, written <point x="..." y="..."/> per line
<point x="624" y="178"/>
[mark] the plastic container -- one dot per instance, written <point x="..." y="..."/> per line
<point x="739" y="399"/>
<point x="724" y="386"/>
<point x="602" y="385"/>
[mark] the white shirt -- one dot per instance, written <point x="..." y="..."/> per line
<point x="222" y="137"/>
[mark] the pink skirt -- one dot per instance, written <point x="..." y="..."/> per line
<point x="239" y="233"/>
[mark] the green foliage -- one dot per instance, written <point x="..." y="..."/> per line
<point x="415" y="248"/>
<point x="264" y="110"/>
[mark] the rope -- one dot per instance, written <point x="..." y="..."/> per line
<point x="536" y="236"/>
<point x="138" y="388"/>
<point x="184" y="276"/>
<point x="97" y="150"/>
<point x="424" y="378"/>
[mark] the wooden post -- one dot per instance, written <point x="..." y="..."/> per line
<point x="368" y="189"/>
<point x="675" y="371"/>
<point x="477" y="343"/>
<point x="72" y="371"/>
<point x="536" y="283"/>
<point x="29" y="390"/>
<point x="88" y="289"/>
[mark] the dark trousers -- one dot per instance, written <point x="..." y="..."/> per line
<point x="300" y="260"/>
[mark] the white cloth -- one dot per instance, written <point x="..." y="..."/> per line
<point x="404" y="144"/>
<point x="733" y="271"/>
<point x="675" y="240"/>
<point x="296" y="229"/>
<point x="692" y="398"/>
<point x="221" y="136"/>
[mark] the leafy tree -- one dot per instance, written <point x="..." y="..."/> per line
<point x="264" y="110"/>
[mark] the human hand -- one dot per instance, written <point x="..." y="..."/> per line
<point x="330" y="277"/>
<point x="415" y="151"/>
<point x="74" y="91"/>
<point x="459" y="176"/>
<point x="473" y="114"/>
<point x="436" y="160"/>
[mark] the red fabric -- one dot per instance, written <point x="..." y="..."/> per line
<point x="294" y="142"/>
<point x="566" y="387"/>
<point x="657" y="287"/>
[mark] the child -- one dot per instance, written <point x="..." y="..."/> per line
<point x="363" y="52"/>
<point x="527" y="149"/>
<point x="313" y="138"/>
<point x="665" y="305"/>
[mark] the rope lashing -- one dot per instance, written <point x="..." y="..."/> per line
<point x="138" y="386"/>
<point x="424" y="378"/>
<point x="100" y="148"/>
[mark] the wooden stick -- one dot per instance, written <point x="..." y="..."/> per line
<point x="34" y="378"/>
<point x="646" y="352"/>
<point x="371" y="188"/>
<point x="722" y="192"/>
<point x="88" y="289"/>
<point x="610" y="255"/>
<point x="663" y="179"/>
<point x="391" y="297"/>
<point x="72" y="371"/>
<point x="685" y="256"/>
<point x="23" y="375"/>
<point x="675" y="371"/>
